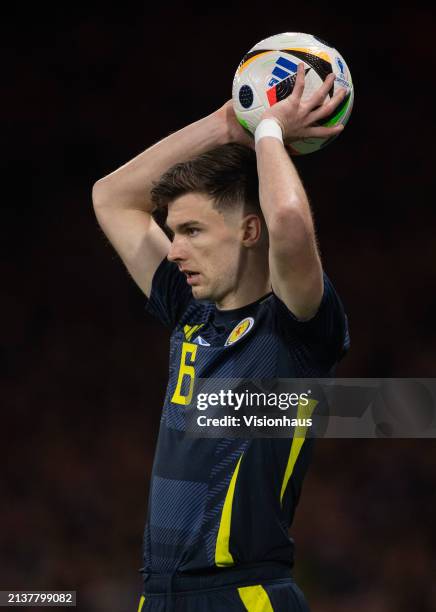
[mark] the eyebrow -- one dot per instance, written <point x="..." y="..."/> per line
<point x="183" y="226"/>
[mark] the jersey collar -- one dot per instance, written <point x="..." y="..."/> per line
<point x="226" y="316"/>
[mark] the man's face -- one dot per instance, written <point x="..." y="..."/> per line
<point x="206" y="246"/>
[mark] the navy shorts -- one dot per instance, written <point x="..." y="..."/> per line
<point x="256" y="588"/>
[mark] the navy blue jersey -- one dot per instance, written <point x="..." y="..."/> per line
<point x="221" y="502"/>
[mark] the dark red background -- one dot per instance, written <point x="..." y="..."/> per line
<point x="84" y="369"/>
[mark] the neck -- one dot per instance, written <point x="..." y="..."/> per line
<point x="253" y="282"/>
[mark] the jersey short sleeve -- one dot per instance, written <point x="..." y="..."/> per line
<point x="325" y="334"/>
<point x="170" y="294"/>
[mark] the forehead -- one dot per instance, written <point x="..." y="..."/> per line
<point x="192" y="207"/>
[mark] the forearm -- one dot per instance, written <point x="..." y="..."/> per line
<point x="283" y="199"/>
<point x="129" y="186"/>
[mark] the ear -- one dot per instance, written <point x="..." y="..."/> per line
<point x="251" y="230"/>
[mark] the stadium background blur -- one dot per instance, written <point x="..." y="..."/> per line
<point x="84" y="369"/>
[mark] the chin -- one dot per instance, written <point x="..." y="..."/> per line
<point x="200" y="293"/>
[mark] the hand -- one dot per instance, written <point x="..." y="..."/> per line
<point x="298" y="118"/>
<point x="234" y="130"/>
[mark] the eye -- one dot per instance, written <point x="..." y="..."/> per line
<point x="192" y="231"/>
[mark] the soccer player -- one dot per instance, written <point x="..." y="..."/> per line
<point x="241" y="287"/>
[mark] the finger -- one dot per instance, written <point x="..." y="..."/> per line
<point x="327" y="108"/>
<point x="299" y="82"/>
<point x="320" y="94"/>
<point x="322" y="132"/>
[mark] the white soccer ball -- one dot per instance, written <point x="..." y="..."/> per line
<point x="267" y="75"/>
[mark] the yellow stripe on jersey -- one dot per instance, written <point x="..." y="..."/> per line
<point x="303" y="412"/>
<point x="189" y="330"/>
<point x="255" y="599"/>
<point x="141" y="603"/>
<point x="223" y="555"/>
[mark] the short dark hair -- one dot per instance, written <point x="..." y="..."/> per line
<point x="227" y="174"/>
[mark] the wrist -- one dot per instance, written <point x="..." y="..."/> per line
<point x="231" y="130"/>
<point x="221" y="125"/>
<point x="268" y="127"/>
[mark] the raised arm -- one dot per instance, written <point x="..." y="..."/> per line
<point x="295" y="265"/>
<point x="122" y="200"/>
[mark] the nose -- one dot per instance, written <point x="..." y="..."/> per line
<point x="176" y="252"/>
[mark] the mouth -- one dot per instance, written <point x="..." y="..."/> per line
<point x="191" y="277"/>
